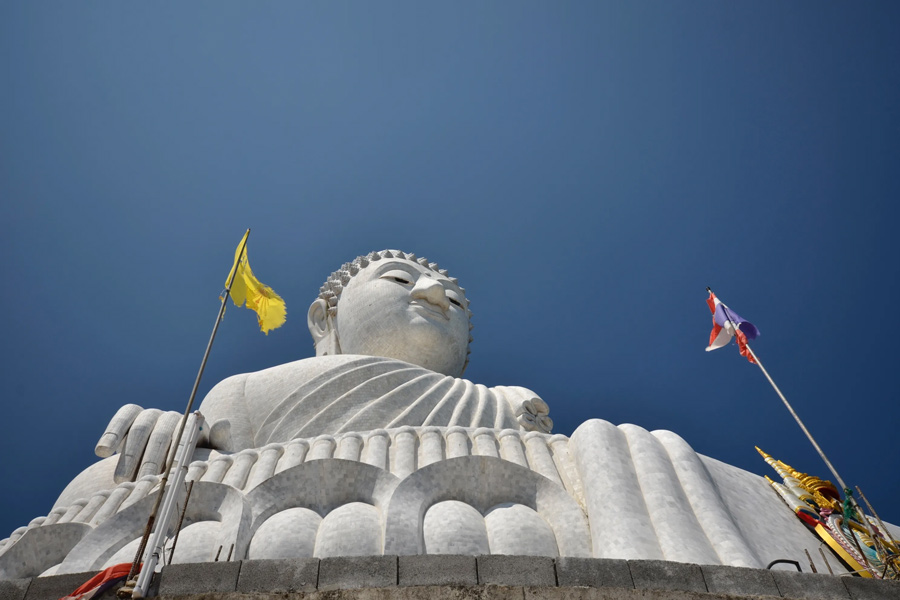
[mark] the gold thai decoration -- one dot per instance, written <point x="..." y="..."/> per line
<point x="818" y="504"/>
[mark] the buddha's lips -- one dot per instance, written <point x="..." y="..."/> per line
<point x="430" y="308"/>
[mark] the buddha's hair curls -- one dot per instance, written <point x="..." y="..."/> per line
<point x="334" y="285"/>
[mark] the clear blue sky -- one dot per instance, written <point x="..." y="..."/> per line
<point x="585" y="169"/>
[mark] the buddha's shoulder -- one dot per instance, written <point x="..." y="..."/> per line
<point x="306" y="371"/>
<point x="342" y="372"/>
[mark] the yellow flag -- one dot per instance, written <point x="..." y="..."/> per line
<point x="270" y="308"/>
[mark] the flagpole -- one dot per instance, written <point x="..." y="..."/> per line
<point x="170" y="455"/>
<point x="794" y="414"/>
<point x="847" y="491"/>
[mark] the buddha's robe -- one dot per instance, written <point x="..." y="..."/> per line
<point x="343" y="393"/>
<point x="339" y="394"/>
<point x="438" y="451"/>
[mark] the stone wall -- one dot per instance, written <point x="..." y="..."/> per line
<point x="455" y="577"/>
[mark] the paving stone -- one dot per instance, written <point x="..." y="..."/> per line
<point x="503" y="569"/>
<point x="281" y="575"/>
<point x="861" y="588"/>
<point x="573" y="593"/>
<point x="739" y="581"/>
<point x="486" y="592"/>
<point x="666" y="575"/>
<point x="437" y="569"/>
<point x="607" y="593"/>
<point x="428" y="592"/>
<point x="593" y="572"/>
<point x="810" y="585"/>
<point x="196" y="578"/>
<point x="342" y="572"/>
<point x="14" y="589"/>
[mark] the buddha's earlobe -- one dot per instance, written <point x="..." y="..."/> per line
<point x="317" y="320"/>
<point x="322" y="329"/>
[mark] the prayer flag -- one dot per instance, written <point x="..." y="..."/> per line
<point x="100" y="582"/>
<point x="269" y="306"/>
<point x="728" y="324"/>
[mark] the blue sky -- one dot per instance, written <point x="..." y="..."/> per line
<point x="585" y="169"/>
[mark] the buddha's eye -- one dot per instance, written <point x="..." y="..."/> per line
<point x="398" y="276"/>
<point x="455" y="301"/>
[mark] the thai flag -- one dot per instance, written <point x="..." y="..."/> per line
<point x="728" y="324"/>
<point x="100" y="582"/>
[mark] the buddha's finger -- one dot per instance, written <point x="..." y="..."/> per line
<point x="158" y="445"/>
<point x="116" y="430"/>
<point x="544" y="424"/>
<point x="135" y="443"/>
<point x="540" y="407"/>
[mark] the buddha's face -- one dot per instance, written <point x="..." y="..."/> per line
<point x="399" y="309"/>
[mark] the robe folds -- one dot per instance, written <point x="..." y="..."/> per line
<point x="337" y="455"/>
<point x="343" y="393"/>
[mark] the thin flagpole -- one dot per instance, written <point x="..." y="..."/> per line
<point x="886" y="531"/>
<point x="170" y="455"/>
<point x="794" y="414"/>
<point x="847" y="491"/>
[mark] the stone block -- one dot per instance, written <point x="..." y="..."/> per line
<point x="280" y="575"/>
<point x="14" y="589"/>
<point x="810" y="585"/>
<point x="343" y="572"/>
<point x="502" y="569"/>
<point x="666" y="575"/>
<point x="593" y="572"/>
<point x="425" y="592"/>
<point x="861" y="588"/>
<point x="197" y="578"/>
<point x="437" y="569"/>
<point x="606" y="593"/>
<point x="739" y="581"/>
<point x="487" y="592"/>
<point x="56" y="586"/>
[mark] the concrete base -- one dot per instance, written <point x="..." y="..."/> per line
<point x="493" y="577"/>
<point x="476" y="593"/>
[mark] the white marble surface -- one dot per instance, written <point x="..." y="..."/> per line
<point x="613" y="492"/>
<point x="376" y="446"/>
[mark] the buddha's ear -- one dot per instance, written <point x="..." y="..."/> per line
<point x="317" y="320"/>
<point x="321" y="327"/>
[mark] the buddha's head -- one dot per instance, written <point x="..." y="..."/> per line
<point x="395" y="305"/>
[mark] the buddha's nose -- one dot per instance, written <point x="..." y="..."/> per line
<point x="432" y="292"/>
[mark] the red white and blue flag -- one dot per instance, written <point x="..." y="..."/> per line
<point x="728" y="324"/>
<point x="100" y="582"/>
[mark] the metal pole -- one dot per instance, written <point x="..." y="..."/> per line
<point x="187" y="499"/>
<point x="825" y="559"/>
<point x="805" y="430"/>
<point x="157" y="541"/>
<point x="170" y="455"/>
<point x="812" y="440"/>
<point x="859" y="549"/>
<point x="886" y="531"/>
<point x="796" y="417"/>
<point x="809" y="558"/>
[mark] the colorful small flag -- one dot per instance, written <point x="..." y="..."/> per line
<point x="269" y="307"/>
<point x="728" y="324"/>
<point x="100" y="582"/>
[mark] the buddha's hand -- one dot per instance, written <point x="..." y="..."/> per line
<point x="531" y="412"/>
<point x="142" y="437"/>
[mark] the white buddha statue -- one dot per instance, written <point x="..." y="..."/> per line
<point x="391" y="333"/>
<point x="377" y="446"/>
